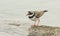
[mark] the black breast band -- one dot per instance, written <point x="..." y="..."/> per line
<point x="32" y="15"/>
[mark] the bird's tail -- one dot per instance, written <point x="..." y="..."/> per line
<point x="45" y="11"/>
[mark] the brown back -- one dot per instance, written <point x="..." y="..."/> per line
<point x="38" y="14"/>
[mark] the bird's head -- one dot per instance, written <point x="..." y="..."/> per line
<point x="29" y="13"/>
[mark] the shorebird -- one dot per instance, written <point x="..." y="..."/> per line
<point x="35" y="15"/>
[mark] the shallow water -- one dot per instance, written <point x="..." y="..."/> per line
<point x="13" y="30"/>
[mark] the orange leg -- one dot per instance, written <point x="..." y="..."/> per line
<point x="38" y="22"/>
<point x="35" y="23"/>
